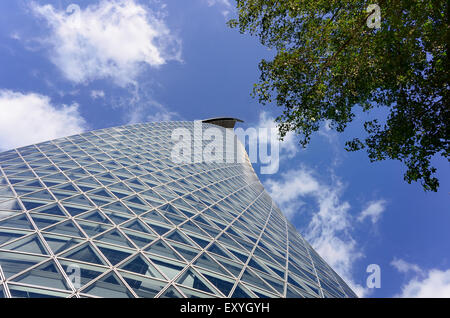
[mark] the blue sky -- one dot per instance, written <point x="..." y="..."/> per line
<point x="67" y="69"/>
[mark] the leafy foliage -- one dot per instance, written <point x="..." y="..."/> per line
<point x="329" y="62"/>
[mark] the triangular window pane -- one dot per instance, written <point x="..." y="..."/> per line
<point x="144" y="287"/>
<point x="223" y="284"/>
<point x="52" y="209"/>
<point x="114" y="237"/>
<point x="11" y="205"/>
<point x="161" y="248"/>
<point x="74" y="210"/>
<point x="169" y="268"/>
<point x="30" y="244"/>
<point x="188" y="253"/>
<point x="178" y="237"/>
<point x="140" y="239"/>
<point x="59" y="244"/>
<point x="79" y="200"/>
<point x="117" y="206"/>
<point x="19" y="222"/>
<point x="113" y="254"/>
<point x="108" y="286"/>
<point x="117" y="218"/>
<point x="46" y="274"/>
<point x="93" y="229"/>
<point x="241" y="292"/>
<point x="193" y="280"/>
<point x="159" y="228"/>
<point x="171" y="292"/>
<point x="87" y="272"/>
<point x="214" y="248"/>
<point x="140" y="265"/>
<point x="95" y="216"/>
<point x="84" y="253"/>
<point x="40" y="195"/>
<point x="207" y="262"/>
<point x="9" y="235"/>
<point x="13" y="262"/>
<point x="137" y="225"/>
<point x="65" y="228"/>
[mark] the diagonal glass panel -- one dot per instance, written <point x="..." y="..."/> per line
<point x="65" y="228"/>
<point x="42" y="221"/>
<point x="207" y="262"/>
<point x="154" y="216"/>
<point x="59" y="243"/>
<point x="114" y="237"/>
<point x="18" y="221"/>
<point x="94" y="216"/>
<point x="93" y="229"/>
<point x="52" y="209"/>
<point x="162" y="248"/>
<point x="78" y="200"/>
<point x="7" y="235"/>
<point x="179" y="237"/>
<point x="224" y="284"/>
<point x="13" y="263"/>
<point x="140" y="239"/>
<point x="85" y="253"/>
<point x="189" y="253"/>
<point x="87" y="272"/>
<point x="137" y="225"/>
<point x="140" y="265"/>
<point x="241" y="292"/>
<point x="32" y="204"/>
<point x="117" y="207"/>
<point x="29" y="244"/>
<point x="171" y="292"/>
<point x="144" y="287"/>
<point x="108" y="286"/>
<point x="11" y="205"/>
<point x="192" y="279"/>
<point x="114" y="254"/>
<point x="46" y="274"/>
<point x="18" y="291"/>
<point x="169" y="267"/>
<point x="39" y="195"/>
<point x="117" y="218"/>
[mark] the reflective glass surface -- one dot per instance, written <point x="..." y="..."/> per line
<point x="108" y="213"/>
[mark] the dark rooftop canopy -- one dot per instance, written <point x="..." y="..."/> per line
<point x="226" y="122"/>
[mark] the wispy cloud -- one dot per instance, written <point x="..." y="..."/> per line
<point x="433" y="283"/>
<point x="97" y="94"/>
<point x="405" y="267"/>
<point x="328" y="227"/>
<point x="225" y="6"/>
<point x="30" y="118"/>
<point x="374" y="210"/>
<point x="112" y="39"/>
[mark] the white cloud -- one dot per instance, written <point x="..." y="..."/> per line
<point x="405" y="267"/>
<point x="149" y="111"/>
<point x="434" y="283"/>
<point x="328" y="229"/>
<point x="289" y="146"/>
<point x="373" y="211"/>
<point x="224" y="4"/>
<point x="112" y="39"/>
<point x="97" y="94"/>
<point x="31" y="118"/>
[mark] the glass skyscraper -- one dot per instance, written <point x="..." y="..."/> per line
<point x="108" y="213"/>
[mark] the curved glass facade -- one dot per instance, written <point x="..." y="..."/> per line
<point x="108" y="213"/>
